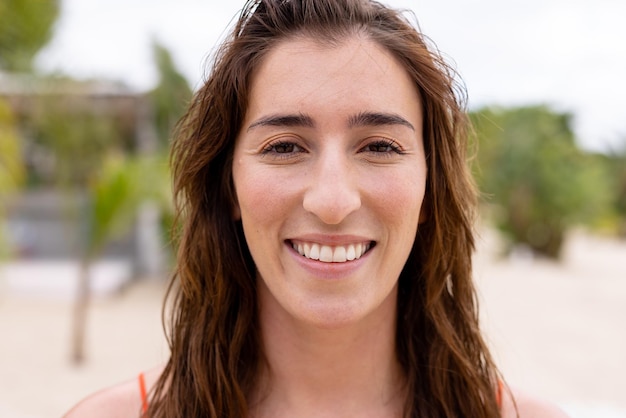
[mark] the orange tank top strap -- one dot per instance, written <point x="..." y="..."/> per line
<point x="143" y="393"/>
<point x="499" y="390"/>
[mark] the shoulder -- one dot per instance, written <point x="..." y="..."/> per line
<point x="120" y="401"/>
<point x="528" y="406"/>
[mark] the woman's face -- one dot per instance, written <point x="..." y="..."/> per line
<point x="330" y="173"/>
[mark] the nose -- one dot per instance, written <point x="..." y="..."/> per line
<point x="333" y="191"/>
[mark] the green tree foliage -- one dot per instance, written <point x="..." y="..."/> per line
<point x="169" y="100"/>
<point x="170" y="97"/>
<point x="120" y="187"/>
<point x="117" y="190"/>
<point x="616" y="163"/>
<point x="25" y="27"/>
<point x="11" y="167"/>
<point x="536" y="179"/>
<point x="75" y="144"/>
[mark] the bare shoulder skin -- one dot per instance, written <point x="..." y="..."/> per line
<point x="120" y="401"/>
<point x="124" y="401"/>
<point x="529" y="406"/>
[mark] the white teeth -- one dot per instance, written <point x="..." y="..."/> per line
<point x="339" y="255"/>
<point x="315" y="252"/>
<point x="351" y="253"/>
<point x="328" y="254"/>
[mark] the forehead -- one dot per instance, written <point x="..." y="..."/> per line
<point x="306" y="75"/>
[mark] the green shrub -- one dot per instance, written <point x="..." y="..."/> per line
<point x="538" y="182"/>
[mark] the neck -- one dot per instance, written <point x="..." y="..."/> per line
<point x="348" y="371"/>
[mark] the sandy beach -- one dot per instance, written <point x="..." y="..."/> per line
<point x="557" y="330"/>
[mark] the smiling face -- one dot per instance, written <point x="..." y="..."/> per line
<point x="329" y="172"/>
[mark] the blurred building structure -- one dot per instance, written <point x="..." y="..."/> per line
<point x="47" y="221"/>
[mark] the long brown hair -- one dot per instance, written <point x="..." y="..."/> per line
<point x="213" y="333"/>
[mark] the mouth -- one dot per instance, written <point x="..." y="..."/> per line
<point x="332" y="253"/>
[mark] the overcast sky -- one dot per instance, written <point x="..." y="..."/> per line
<point x="570" y="54"/>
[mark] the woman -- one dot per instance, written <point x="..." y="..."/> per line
<point x="324" y="264"/>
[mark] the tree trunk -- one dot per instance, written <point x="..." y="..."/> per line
<point x="81" y="305"/>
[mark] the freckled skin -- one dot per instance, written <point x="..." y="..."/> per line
<point x="327" y="178"/>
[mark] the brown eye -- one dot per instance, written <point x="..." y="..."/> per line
<point x="382" y="147"/>
<point x="284" y="148"/>
<point x="379" y="147"/>
<point x="280" y="150"/>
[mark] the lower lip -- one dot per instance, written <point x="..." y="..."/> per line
<point x="328" y="271"/>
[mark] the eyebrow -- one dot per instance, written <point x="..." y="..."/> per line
<point x="378" y="119"/>
<point x="284" y="120"/>
<point x="359" y="120"/>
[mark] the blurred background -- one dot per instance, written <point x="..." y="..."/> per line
<point x="89" y="93"/>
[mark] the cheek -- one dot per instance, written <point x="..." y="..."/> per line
<point x="399" y="195"/>
<point x="261" y="195"/>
